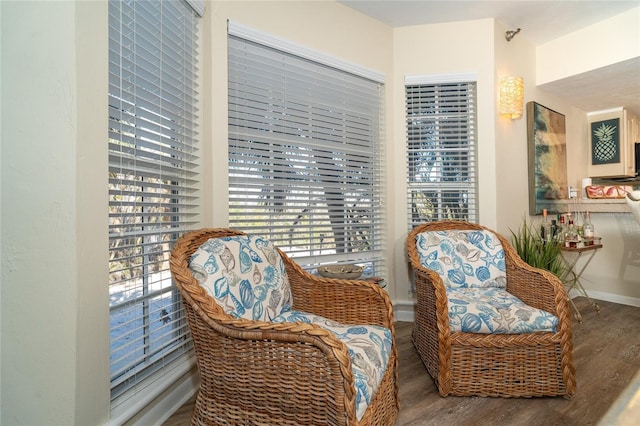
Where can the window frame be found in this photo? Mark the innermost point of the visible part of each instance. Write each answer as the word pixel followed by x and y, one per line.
pixel 305 140
pixel 154 189
pixel 441 125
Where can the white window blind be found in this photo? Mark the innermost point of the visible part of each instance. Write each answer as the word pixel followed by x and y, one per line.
pixel 153 157
pixel 441 150
pixel 305 156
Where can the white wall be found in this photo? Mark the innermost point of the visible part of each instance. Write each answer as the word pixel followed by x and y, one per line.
pixel 436 50
pixel 513 58
pixel 55 342
pixel 608 42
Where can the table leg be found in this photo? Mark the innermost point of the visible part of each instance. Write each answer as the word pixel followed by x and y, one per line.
pixel 574 281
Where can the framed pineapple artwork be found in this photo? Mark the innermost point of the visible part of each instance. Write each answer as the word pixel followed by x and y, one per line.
pixel 605 141
pixel 611 154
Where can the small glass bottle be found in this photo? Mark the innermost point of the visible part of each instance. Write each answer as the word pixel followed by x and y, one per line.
pixel 572 234
pixel 554 230
pixel 587 227
pixel 545 228
pixel 562 227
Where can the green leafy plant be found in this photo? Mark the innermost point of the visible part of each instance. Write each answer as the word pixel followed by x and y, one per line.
pixel 536 252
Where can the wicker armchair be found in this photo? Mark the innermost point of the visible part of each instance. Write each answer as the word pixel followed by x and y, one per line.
pixel 498 365
pixel 257 372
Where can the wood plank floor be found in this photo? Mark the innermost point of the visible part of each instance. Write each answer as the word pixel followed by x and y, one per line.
pixel 606 355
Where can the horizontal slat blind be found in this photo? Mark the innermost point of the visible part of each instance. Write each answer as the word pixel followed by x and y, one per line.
pixel 153 181
pixel 305 156
pixel 441 151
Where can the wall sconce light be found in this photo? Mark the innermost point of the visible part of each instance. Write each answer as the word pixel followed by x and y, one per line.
pixel 511 97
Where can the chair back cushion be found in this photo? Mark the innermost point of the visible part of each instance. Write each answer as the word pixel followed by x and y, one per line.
pixel 369 349
pixel 245 275
pixel 464 258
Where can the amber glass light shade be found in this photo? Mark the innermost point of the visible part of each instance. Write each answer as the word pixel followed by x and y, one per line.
pixel 511 97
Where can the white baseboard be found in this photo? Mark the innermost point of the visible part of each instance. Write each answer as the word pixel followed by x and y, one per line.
pixel 162 407
pixel 608 297
pixel 404 310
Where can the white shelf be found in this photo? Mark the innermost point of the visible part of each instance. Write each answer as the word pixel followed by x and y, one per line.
pixel 602 205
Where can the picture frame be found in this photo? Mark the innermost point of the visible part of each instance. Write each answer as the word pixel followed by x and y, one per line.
pixel 547 158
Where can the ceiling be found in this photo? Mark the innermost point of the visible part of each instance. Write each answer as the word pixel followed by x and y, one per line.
pixel 541 21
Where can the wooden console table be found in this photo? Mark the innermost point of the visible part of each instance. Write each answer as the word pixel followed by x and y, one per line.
pixel 572 274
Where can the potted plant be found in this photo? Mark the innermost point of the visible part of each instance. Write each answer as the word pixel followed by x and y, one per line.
pixel 535 251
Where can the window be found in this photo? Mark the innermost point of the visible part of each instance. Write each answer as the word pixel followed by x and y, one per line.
pixel 305 156
pixel 153 156
pixel 441 150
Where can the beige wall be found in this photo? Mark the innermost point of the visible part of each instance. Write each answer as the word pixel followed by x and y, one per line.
pixel 436 50
pixel 55 340
pixel 54 312
pixel 610 41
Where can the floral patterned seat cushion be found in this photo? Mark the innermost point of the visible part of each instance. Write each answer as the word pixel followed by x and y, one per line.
pixel 494 310
pixel 464 258
pixel 245 274
pixel 369 349
pixel 472 266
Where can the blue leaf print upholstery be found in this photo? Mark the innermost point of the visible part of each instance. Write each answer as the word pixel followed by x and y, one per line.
pixel 494 310
pixel 468 269
pixel 457 277
pixel 245 275
pixel 436 266
pixel 211 266
pixel 464 258
pixel 482 273
pixel 258 310
pixel 220 288
pixel 369 349
pixel 246 294
pixel 245 261
pixel 471 323
pixel 473 270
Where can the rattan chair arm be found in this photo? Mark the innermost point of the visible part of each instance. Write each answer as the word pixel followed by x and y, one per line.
pixel 212 329
pixel 432 282
pixel 535 287
pixel 211 313
pixel 542 289
pixel 285 332
pixel 344 301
